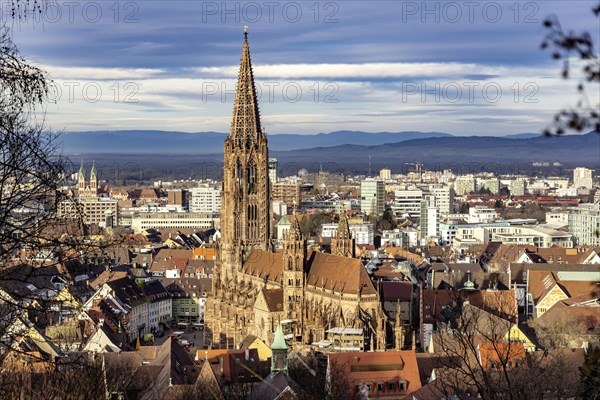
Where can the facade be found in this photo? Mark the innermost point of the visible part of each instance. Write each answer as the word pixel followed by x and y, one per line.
pixel 392 238
pixel 384 375
pixel 287 193
pixel 176 197
pixel 408 202
pixel 491 184
pixel 89 205
pixel 135 309
pixel 444 200
pixel 372 196
pixel 254 287
pixel 205 198
pixel 517 187
pixel 94 210
pixel 273 171
pixel 363 233
pixel 87 188
pixel 481 215
pixel 429 221
pixel 385 174
pixel 500 232
pixel 582 178
pixel 174 220
pixel 584 224
pixel 464 185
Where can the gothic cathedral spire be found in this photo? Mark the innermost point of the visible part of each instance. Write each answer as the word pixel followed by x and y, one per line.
pixel 245 126
pixel 343 243
pixel 245 216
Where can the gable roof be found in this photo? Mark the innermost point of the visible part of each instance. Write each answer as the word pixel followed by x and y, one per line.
pixel 380 366
pixel 540 283
pixel 274 299
pixel 275 387
pixel 340 274
pixel 264 264
pixel 454 275
pixel 498 302
pixel 518 271
pixel 394 291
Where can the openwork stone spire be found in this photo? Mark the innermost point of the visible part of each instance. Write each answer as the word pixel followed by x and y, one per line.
pixel 295 233
pixel 343 244
pixel 245 126
pixel 343 231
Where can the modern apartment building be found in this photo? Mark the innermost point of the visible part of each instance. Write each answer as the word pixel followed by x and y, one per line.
pixel 372 196
pixel 205 198
pixel 408 202
pixel 584 224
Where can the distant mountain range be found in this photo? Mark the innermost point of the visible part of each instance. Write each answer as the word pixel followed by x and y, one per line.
pixel 158 155
pixel 464 153
pixel 173 142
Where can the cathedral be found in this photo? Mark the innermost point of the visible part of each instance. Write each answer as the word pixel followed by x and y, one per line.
pixel 255 287
pixel 85 189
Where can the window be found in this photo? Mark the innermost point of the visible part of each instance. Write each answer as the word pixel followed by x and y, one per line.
pixel 402 385
pixel 380 387
pixel 391 386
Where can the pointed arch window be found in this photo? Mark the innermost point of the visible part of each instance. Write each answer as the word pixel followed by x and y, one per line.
pixel 252 178
pixel 239 172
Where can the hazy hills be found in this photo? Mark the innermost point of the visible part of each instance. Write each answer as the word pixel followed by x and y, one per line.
pixel 458 152
pixel 152 142
pixel 156 154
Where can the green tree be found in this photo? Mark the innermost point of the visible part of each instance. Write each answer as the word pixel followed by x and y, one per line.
pixel 388 220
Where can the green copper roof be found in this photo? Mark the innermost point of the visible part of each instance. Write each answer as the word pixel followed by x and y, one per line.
pixel 81 170
pixel 469 285
pixel 279 341
pixel 93 173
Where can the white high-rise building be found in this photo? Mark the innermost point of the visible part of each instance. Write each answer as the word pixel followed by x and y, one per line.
pixel 385 174
pixel 408 202
pixel 273 170
pixel 205 198
pixel 372 196
pixel 429 223
pixel 464 184
pixel 584 224
pixel 444 200
pixel 517 187
pixel 582 177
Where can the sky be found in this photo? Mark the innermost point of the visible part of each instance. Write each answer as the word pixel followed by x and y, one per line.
pixel 464 67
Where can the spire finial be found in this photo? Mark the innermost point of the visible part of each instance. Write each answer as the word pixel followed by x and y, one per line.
pixel 245 32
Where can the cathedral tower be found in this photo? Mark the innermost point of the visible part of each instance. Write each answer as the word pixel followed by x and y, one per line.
pixel 245 217
pixel 294 257
pixel 343 243
pixel 81 184
pixel 94 180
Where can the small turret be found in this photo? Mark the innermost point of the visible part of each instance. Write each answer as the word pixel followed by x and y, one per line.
pixel 279 360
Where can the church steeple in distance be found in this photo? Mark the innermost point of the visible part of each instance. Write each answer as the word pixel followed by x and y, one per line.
pixel 245 214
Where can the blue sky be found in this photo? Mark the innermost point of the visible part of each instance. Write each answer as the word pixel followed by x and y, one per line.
pixel 465 67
